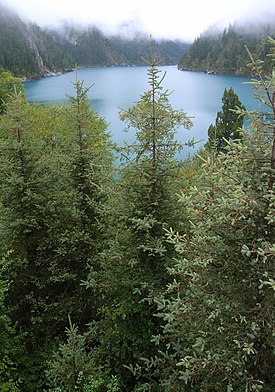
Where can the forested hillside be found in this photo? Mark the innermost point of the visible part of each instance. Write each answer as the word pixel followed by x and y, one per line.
pixel 155 275
pixel 225 51
pixel 28 50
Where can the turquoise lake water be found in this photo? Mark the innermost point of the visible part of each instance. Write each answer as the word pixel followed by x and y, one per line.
pixel 115 88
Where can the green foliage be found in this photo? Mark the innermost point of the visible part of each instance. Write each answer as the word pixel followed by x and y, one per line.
pixel 229 122
pixel 134 263
pixel 151 169
pixel 28 50
pixel 264 92
pixel 29 213
pixel 8 84
pixel 69 361
pixel 52 242
pixel 225 51
pixel 33 215
pixel 88 169
pixel 10 344
pixel 72 368
pixel 217 311
pixel 170 291
pixel 230 343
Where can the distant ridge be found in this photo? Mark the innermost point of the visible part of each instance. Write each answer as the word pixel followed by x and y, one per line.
pixel 28 50
pixel 224 51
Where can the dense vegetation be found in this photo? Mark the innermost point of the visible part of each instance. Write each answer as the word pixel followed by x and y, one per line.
pixel 28 50
pixel 229 123
pixel 153 275
pixel 225 51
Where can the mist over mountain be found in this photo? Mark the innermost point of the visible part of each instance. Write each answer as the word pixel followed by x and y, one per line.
pixel 224 50
pixel 29 50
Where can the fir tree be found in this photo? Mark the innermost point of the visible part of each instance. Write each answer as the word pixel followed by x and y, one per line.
pixel 218 311
pixel 29 207
pixel 88 169
pixel 11 346
pixel 53 189
pixel 135 263
pixel 229 122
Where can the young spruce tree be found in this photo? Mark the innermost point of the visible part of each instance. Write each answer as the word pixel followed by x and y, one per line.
pixel 29 212
pixel 229 122
pixel 87 167
pixel 53 185
pixel 135 264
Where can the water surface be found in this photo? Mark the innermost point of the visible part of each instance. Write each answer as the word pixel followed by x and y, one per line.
pixel 116 88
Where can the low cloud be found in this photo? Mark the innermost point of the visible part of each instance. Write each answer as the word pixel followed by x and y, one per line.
pixel 174 19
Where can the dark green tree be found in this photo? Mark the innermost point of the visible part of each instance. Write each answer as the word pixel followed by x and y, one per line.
pixel 28 213
pixel 72 367
pixel 224 51
pixel 229 122
pixel 218 311
pixel 11 346
pixel 54 169
pixel 135 262
pixel 88 170
pixel 264 91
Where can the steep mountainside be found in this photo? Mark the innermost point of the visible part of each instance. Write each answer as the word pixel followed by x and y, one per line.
pixel 225 51
pixel 17 52
pixel 28 50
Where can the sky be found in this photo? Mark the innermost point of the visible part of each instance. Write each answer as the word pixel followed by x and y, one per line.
pixel 175 19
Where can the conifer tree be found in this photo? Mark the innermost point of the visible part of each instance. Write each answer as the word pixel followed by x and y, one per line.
pixel 23 192
pixel 11 346
pixel 7 85
pixel 53 189
pixel 219 310
pixel 135 263
pixel 88 169
pixel 30 211
pixel 228 123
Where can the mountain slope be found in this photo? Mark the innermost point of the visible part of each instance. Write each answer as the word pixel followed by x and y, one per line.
pixel 225 52
pixel 16 51
pixel 28 50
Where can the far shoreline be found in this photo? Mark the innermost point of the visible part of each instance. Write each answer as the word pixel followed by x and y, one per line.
pixel 62 72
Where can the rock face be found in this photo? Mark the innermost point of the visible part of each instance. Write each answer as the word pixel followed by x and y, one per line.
pixel 28 50
pixel 31 43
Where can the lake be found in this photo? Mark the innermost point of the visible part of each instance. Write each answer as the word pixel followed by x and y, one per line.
pixel 115 88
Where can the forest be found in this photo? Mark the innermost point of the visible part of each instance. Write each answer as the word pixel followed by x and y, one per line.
pixel 30 51
pixel 224 51
pixel 124 269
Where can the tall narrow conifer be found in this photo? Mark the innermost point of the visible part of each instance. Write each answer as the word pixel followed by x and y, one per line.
pixel 135 264
pixel 229 122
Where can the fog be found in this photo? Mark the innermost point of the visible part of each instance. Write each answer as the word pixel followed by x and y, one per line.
pixel 175 19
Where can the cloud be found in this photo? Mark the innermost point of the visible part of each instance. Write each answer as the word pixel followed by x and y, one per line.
pixel 172 19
